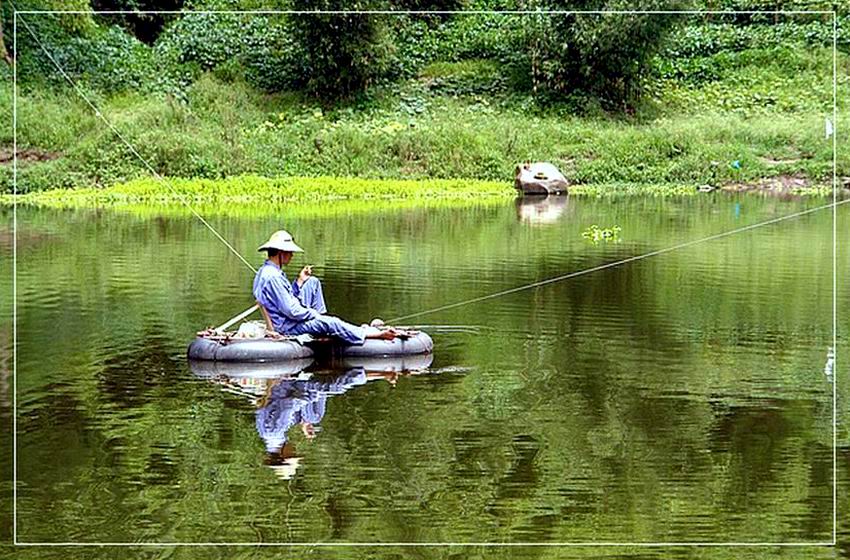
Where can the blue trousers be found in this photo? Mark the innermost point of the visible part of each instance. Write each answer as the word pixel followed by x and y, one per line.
pixel 310 295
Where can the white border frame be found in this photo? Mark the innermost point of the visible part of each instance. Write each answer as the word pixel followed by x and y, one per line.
pixel 590 544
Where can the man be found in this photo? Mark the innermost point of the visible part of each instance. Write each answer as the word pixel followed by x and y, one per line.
pixel 299 308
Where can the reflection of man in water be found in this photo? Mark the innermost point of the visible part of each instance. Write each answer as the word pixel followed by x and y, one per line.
pixel 290 402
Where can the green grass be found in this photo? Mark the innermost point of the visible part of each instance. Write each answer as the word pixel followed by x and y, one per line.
pixel 462 69
pixel 762 108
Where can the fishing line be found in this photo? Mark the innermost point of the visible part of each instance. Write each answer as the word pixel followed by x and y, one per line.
pixel 617 263
pixel 478 299
pixel 120 136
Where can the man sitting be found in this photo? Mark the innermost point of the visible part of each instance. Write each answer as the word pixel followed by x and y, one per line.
pixel 299 308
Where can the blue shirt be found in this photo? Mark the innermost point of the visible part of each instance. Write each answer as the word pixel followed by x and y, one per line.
pixel 292 402
pixel 274 292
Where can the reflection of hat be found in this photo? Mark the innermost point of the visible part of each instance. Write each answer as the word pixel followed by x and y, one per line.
pixel 282 241
pixel 285 462
pixel 287 469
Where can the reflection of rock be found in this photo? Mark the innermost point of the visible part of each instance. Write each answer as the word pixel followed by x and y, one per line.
pixel 539 178
pixel 541 210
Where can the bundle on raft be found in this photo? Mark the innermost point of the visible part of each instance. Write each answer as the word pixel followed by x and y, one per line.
pixel 253 345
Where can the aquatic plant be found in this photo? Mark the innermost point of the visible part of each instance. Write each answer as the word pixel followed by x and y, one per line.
pixel 250 189
pixel 595 234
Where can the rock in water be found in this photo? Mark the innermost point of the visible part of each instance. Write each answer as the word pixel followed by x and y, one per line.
pixel 540 178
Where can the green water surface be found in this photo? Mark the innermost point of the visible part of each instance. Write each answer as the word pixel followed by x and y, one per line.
pixel 678 398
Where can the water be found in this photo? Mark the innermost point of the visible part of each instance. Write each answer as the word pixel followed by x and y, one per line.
pixel 678 398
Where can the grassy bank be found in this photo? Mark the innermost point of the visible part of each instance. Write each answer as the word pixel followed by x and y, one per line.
pixel 737 115
pixel 322 196
pixel 246 208
pixel 228 130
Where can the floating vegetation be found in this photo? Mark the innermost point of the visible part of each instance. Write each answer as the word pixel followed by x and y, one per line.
pixel 248 189
pixel 595 234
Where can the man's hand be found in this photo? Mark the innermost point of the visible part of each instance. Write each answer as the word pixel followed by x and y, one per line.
pixel 387 334
pixel 304 275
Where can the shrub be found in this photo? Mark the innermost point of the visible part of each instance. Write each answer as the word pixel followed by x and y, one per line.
pixel 205 39
pixel 603 56
pixel 145 27
pixel 342 53
pixel 105 59
pixel 706 39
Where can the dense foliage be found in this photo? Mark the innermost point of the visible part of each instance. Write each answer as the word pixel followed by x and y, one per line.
pixel 342 53
pixel 564 57
pixel 600 55
pixel 423 96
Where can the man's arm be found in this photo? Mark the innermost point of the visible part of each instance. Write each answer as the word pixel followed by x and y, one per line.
pixel 285 303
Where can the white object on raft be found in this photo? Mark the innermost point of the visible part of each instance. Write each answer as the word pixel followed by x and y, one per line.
pixel 251 329
pixel 231 347
pixel 540 178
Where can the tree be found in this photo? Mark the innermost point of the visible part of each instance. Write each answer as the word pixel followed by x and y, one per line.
pixel 146 27
pixel 341 54
pixel 3 51
pixel 67 24
pixel 601 55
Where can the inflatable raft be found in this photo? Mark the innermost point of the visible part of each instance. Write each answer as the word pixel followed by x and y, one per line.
pixel 214 348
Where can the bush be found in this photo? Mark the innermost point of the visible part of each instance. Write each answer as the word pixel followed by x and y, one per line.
pixel 342 53
pixel 206 39
pixel 104 59
pixel 602 56
pixel 113 61
pixel 707 39
pixel 767 6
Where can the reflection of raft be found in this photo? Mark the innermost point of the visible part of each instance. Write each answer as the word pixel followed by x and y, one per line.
pixel 222 349
pixel 207 369
pixel 388 364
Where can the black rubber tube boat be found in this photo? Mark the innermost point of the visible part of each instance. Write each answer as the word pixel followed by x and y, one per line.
pixel 224 348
